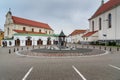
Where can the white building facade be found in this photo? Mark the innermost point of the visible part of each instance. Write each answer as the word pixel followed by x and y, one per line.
pixel 90 37
pixel 76 36
pixel 24 32
pixel 106 20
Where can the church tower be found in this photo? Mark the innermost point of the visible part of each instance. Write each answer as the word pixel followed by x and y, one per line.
pixel 8 26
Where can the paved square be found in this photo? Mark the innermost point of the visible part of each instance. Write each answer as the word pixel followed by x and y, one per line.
pixel 14 67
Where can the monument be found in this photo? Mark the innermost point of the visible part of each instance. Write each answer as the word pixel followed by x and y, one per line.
pixel 62 42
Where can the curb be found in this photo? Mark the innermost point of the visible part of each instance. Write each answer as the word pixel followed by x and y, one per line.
pixel 19 54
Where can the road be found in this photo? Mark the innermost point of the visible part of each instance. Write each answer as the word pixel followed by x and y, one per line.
pixel 14 67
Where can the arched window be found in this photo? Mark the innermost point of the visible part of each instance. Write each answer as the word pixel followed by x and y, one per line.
pixel 109 20
pixel 100 23
pixel 92 25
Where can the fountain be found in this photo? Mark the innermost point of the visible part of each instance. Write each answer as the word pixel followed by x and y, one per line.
pixel 62 42
pixel 62 49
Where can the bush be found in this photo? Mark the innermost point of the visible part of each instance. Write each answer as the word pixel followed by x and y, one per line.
pixel 111 43
pixel 94 43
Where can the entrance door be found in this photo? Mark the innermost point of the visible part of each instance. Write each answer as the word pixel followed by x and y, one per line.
pixel 48 41
pixel 39 42
pixel 17 42
pixel 28 42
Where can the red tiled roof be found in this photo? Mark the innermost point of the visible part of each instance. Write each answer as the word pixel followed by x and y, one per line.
pixel 22 21
pixel 89 34
pixel 105 7
pixel 75 32
pixel 29 32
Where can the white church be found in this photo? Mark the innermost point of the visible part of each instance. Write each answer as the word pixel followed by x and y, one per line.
pixel 104 24
pixel 106 21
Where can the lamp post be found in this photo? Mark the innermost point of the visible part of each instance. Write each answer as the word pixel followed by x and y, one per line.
pixel 105 39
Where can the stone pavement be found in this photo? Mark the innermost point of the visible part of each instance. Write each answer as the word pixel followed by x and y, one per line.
pixel 14 67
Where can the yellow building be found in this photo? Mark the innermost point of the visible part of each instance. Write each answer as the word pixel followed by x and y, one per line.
pixel 1 36
pixel 14 24
pixel 24 32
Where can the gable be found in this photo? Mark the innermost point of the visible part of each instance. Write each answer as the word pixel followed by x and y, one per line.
pixel 106 7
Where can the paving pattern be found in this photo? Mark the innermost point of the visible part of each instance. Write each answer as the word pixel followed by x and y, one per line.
pixel 68 52
pixel 15 67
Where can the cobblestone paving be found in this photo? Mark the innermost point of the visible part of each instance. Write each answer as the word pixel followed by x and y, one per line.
pixel 77 52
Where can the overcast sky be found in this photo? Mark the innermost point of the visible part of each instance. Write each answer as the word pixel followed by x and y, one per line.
pixel 66 15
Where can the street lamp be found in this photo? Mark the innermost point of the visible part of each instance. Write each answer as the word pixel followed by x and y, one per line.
pixel 105 38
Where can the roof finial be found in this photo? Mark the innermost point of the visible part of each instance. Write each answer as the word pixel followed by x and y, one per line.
pixel 9 11
pixel 102 2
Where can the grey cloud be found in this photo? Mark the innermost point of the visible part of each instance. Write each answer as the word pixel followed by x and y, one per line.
pixel 68 14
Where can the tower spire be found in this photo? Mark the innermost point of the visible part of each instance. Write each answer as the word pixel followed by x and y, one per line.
pixel 9 9
pixel 102 2
pixel 9 12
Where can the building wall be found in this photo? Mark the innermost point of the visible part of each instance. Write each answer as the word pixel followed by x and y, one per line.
pixel 9 24
pixel 29 28
pixel 8 43
pixel 34 39
pixel 1 37
pixel 113 32
pixel 118 23
pixel 76 38
pixel 91 38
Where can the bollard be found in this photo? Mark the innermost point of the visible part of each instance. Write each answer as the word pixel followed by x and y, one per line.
pixel 110 49
pixel 27 48
pixel 117 49
pixel 17 49
pixel 33 46
pixel 14 49
pixel 100 47
pixel 105 48
pixel 22 48
pixel 9 51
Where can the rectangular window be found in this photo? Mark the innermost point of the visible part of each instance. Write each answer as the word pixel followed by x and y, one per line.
pixel 100 23
pixel 109 20
pixel 8 31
